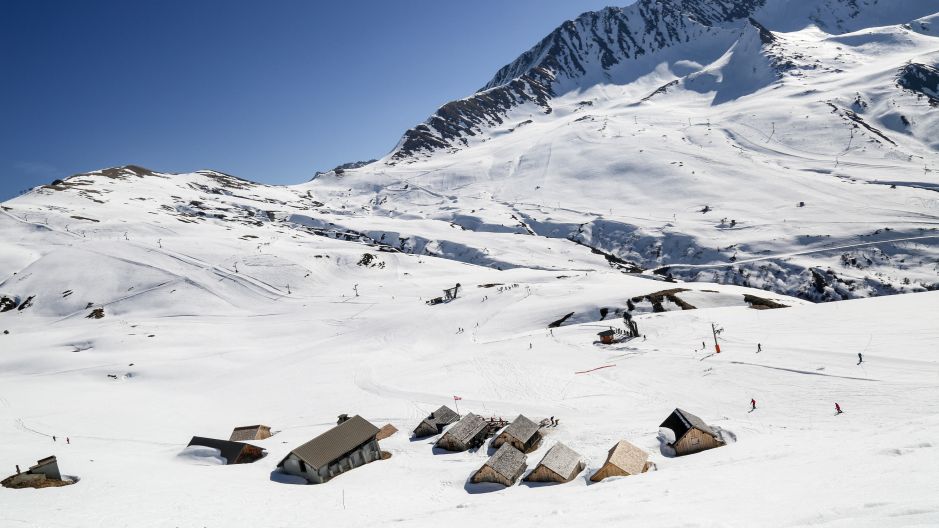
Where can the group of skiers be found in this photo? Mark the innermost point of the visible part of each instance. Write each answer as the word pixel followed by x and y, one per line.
pixel 753 406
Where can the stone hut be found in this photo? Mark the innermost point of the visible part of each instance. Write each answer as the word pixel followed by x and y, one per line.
pixel 504 467
pixel 623 459
pixel 434 424
pixel 250 432
pixel 692 435
pixel 466 434
pixel 560 464
pixel 350 444
pixel 522 433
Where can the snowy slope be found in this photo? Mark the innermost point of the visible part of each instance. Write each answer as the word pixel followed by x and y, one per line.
pixel 789 146
pixel 139 308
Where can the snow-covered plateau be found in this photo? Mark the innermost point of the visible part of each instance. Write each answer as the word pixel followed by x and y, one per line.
pixel 765 167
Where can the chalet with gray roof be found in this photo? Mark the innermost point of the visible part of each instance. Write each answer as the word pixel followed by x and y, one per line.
pixel 560 464
pixel 232 452
pixel 622 460
pixel 434 424
pixel 522 433
pixel 692 434
pixel 349 445
pixel 468 433
pixel 250 432
pixel 504 467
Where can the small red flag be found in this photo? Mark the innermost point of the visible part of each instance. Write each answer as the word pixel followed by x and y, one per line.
pixel 457 398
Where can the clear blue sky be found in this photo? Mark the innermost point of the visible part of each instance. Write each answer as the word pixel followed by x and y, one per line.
pixel 270 91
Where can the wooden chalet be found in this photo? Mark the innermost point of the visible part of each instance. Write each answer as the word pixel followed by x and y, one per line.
pixel 623 459
pixel 692 435
pixel 434 424
pixel 560 464
pixel 469 432
pixel 250 432
pixel 232 452
pixel 504 467
pixel 522 433
pixel 349 445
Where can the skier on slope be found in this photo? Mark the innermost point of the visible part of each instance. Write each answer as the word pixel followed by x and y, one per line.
pixel 752 404
pixel 838 408
pixel 860 358
pixel 759 347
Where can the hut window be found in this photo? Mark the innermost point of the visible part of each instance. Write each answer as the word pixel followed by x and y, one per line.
pixel 694 441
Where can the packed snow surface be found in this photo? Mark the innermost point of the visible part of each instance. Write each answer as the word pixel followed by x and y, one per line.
pixel 729 178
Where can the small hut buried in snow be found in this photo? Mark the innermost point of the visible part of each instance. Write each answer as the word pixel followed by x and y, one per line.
pixel 692 435
pixel 232 452
pixel 386 431
pixel 44 474
pixel 48 466
pixel 560 464
pixel 623 459
pixel 606 336
pixel 435 423
pixel 250 432
pixel 504 467
pixel 466 434
pixel 522 433
pixel 349 445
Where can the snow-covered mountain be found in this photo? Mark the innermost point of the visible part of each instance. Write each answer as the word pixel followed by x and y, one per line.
pixel 786 145
pixel 698 163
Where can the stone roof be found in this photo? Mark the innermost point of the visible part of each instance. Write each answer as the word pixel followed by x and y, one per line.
pixel 444 415
pixel 507 461
pixel 522 429
pixel 464 430
pixel 561 460
pixel 249 432
pixel 628 457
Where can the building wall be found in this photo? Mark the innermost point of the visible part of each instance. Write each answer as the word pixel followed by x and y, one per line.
pixel 543 474
pixel 369 452
pixel 50 470
pixel 695 441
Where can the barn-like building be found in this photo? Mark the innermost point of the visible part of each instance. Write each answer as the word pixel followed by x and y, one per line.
pixel 692 435
pixel 522 433
pixel 232 452
pixel 250 432
pixel 504 467
pixel 560 464
pixel 469 432
pixel 434 424
pixel 347 446
pixel 623 459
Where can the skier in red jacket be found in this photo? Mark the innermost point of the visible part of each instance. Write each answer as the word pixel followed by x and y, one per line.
pixel 752 404
pixel 838 408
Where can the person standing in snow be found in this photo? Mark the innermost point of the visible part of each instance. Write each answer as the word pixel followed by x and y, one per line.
pixel 838 408
pixel 860 358
pixel 53 438
pixel 67 441
pixel 759 348
pixel 752 404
